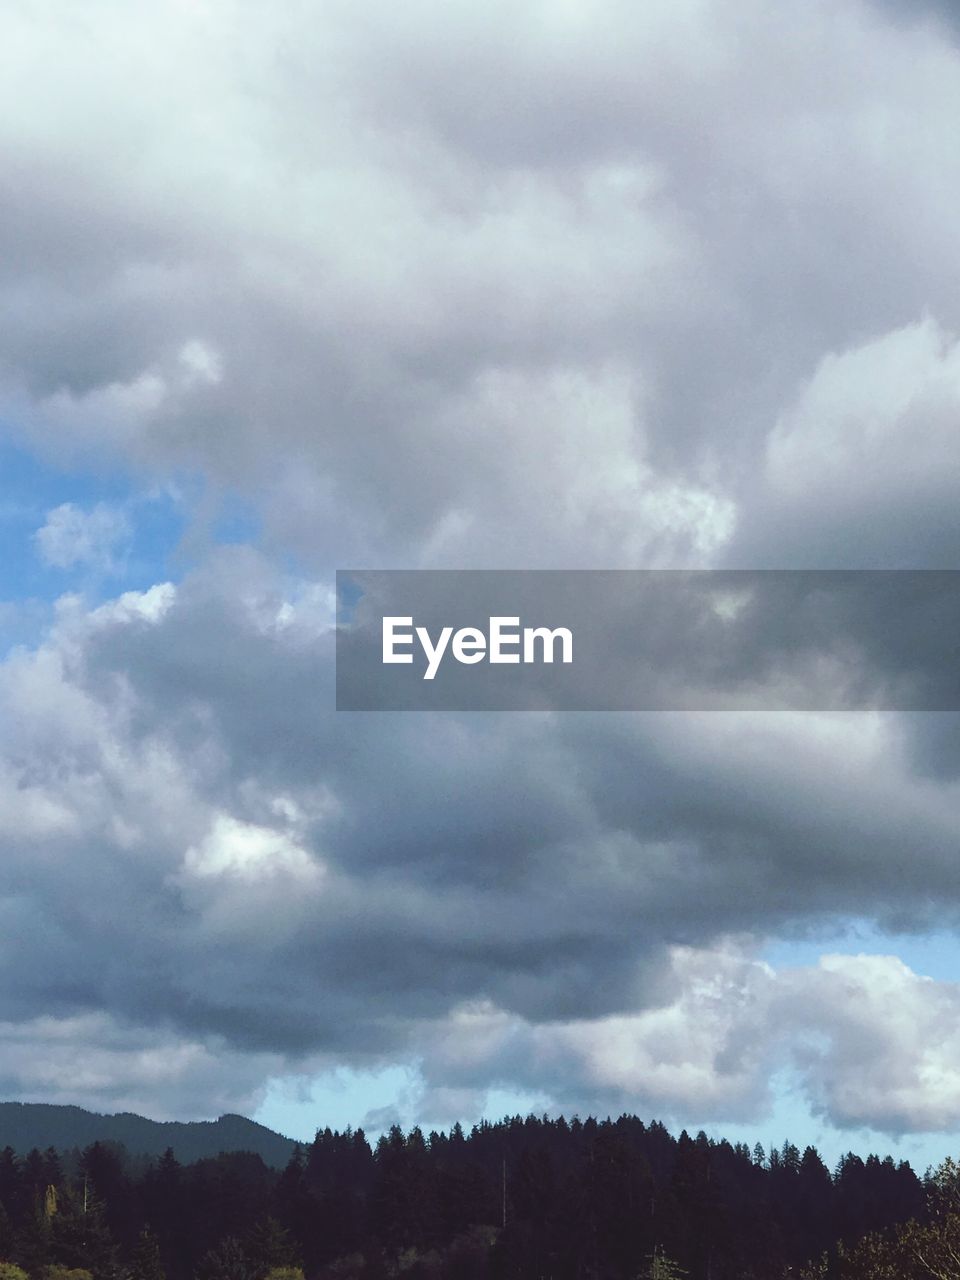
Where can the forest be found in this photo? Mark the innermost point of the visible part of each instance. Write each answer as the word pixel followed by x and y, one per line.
pixel 532 1198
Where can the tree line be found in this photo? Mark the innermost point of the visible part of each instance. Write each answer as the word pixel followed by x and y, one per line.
pixel 523 1199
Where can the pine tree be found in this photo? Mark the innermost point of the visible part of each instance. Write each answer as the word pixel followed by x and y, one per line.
pixel 270 1247
pixel 145 1261
pixel 7 1236
pixel 79 1236
pixel 32 1242
pixel 10 1185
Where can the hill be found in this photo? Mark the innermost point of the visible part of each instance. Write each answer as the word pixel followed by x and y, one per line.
pixel 24 1125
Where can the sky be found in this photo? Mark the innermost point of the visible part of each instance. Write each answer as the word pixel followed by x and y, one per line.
pixel 296 287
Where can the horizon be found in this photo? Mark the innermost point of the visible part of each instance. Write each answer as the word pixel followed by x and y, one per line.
pixel 713 1133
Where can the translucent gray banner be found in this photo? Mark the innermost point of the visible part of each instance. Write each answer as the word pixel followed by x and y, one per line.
pixel 644 640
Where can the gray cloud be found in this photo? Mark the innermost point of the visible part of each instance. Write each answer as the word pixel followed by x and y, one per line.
pixel 668 270
pixel 302 888
pixel 672 285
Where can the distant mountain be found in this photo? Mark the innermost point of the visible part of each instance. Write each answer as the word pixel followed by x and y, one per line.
pixel 24 1125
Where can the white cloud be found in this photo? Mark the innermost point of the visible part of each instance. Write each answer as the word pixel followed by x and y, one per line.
pixel 73 538
pixel 108 1065
pixel 247 851
pixel 884 1043
pixel 871 1043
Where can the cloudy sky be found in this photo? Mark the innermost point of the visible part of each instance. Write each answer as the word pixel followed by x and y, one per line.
pixel 295 287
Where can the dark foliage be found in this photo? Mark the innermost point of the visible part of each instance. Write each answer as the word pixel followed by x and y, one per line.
pixel 525 1198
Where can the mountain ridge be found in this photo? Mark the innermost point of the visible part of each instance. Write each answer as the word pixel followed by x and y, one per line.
pixel 25 1125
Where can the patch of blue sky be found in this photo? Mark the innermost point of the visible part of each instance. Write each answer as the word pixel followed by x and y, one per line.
pixel 935 954
pixel 372 1100
pixel 160 531
pixel 30 490
pixel 235 522
pixel 341 1097
pixel 349 595
pixel 506 1102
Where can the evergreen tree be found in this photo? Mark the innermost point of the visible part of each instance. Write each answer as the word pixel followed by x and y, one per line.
pixel 10 1184
pixel 584 1201
pixel 269 1247
pixel 32 1241
pixel 79 1236
pixel 145 1263
pixel 7 1236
